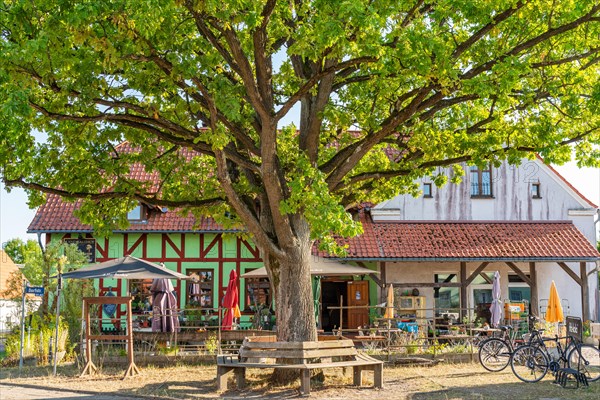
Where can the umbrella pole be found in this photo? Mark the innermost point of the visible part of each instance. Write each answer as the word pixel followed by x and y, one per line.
pixel 55 353
pixel 219 332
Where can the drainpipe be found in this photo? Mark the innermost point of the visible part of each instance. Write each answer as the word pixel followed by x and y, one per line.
pixel 39 236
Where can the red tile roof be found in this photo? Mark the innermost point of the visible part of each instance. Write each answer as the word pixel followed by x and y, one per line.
pixel 470 240
pixel 57 216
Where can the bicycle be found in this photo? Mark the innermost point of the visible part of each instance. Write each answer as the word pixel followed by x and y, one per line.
pixel 495 353
pixel 531 362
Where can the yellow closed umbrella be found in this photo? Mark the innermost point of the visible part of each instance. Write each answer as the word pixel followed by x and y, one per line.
pixel 389 309
pixel 554 311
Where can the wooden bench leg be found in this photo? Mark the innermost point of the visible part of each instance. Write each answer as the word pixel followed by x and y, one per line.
pixel 378 376
pixel 305 382
pixel 358 376
pixel 222 373
pixel 240 376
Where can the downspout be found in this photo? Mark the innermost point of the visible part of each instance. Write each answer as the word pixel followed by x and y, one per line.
pixel 39 236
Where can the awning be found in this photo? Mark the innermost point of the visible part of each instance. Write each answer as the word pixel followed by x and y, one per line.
pixel 322 267
pixel 124 268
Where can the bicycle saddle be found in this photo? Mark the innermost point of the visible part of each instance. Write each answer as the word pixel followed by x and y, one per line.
pixel 506 328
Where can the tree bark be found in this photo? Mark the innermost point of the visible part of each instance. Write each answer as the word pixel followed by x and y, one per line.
pixel 294 308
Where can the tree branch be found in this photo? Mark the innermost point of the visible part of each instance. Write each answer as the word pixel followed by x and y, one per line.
pixel 150 198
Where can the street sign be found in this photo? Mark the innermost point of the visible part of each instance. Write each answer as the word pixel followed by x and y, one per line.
pixel 35 290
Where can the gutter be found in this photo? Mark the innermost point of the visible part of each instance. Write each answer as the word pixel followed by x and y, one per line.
pixel 487 259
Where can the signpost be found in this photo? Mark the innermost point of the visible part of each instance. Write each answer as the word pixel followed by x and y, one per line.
pixel 36 291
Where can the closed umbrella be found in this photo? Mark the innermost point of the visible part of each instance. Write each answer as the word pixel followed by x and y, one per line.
pixel 554 312
pixel 316 290
pixel 389 309
pixel 496 307
pixel 164 306
pixel 231 302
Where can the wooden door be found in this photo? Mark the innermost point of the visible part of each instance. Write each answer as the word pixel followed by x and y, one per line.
pixel 358 295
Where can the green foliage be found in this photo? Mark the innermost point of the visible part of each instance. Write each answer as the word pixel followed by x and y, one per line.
pixel 212 344
pixel 39 337
pixel 18 250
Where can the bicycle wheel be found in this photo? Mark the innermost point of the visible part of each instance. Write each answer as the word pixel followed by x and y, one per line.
pixel 529 363
pixel 590 361
pixel 494 354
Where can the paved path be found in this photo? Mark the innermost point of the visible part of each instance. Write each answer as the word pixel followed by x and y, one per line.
pixel 30 392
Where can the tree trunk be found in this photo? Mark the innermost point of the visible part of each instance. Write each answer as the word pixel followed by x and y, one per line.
pixel 294 308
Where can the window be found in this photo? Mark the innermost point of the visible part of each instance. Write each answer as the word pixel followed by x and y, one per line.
pixel 200 290
pixel 258 293
pixel 142 298
pixel 137 214
pixel 481 182
pixel 427 190
pixel 446 298
pixel 535 191
pixel 518 290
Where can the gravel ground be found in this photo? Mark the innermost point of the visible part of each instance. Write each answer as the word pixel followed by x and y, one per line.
pixel 444 381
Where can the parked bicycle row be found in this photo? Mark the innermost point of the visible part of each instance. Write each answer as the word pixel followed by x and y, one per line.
pixel 531 356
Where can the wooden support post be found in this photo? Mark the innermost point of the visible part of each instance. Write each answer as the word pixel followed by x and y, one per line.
pixel 132 369
pixel 535 308
pixel 89 368
pixel 305 382
pixel 463 290
pixel 357 376
pixel 585 299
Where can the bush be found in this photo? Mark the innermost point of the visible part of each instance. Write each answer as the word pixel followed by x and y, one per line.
pixel 37 340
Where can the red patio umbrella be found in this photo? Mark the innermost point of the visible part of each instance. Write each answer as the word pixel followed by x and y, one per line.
pixel 231 302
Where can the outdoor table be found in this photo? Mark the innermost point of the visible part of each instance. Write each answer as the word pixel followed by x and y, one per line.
pixel 456 339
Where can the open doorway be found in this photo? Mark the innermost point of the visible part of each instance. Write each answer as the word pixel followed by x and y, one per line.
pixel 330 297
pixel 355 293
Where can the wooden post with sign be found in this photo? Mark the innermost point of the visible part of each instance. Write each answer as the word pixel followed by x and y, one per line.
pixel 90 368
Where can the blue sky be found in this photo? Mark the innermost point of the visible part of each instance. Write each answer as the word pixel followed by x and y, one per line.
pixel 15 215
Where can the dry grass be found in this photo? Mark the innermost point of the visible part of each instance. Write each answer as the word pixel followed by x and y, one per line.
pixel 444 381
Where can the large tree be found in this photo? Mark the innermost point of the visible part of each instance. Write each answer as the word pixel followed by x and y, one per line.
pixel 385 91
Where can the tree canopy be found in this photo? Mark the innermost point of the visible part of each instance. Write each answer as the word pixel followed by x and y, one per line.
pixel 385 91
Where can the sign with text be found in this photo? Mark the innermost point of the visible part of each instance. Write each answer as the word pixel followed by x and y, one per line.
pixel 35 290
pixel 86 246
pixel 574 328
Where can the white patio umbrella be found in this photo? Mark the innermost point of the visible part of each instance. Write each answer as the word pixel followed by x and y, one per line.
pixel 496 307
pixel 320 266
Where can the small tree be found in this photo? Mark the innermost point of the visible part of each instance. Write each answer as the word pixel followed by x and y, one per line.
pixel 17 249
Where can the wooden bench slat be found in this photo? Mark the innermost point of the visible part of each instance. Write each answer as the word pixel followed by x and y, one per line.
pixel 300 354
pixel 298 345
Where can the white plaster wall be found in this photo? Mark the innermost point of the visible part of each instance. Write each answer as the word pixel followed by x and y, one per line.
pixel 512 199
pixel 568 289
pixel 9 310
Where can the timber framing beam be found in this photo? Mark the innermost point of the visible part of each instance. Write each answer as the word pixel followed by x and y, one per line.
pixel 585 299
pixel 534 305
pixel 478 271
pixel 520 273
pixel 427 284
pixel 570 272
pixel 463 289
pixel 379 282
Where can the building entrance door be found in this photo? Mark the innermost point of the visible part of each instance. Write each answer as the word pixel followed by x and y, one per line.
pixel 358 295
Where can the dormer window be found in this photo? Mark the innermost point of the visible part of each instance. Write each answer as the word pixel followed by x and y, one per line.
pixel 427 193
pixel 536 191
pixel 481 181
pixel 137 214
